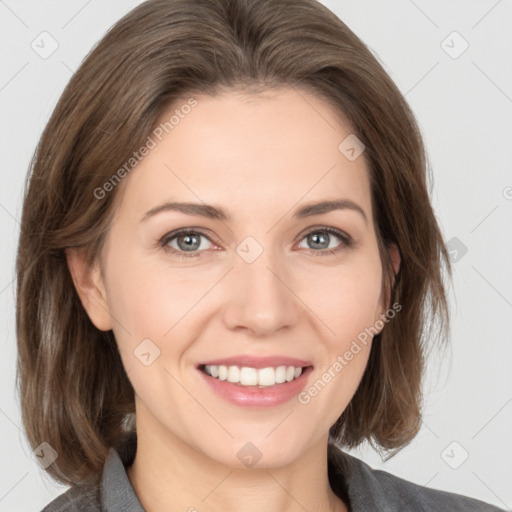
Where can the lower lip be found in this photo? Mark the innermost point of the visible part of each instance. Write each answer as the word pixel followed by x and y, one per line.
pixel 260 398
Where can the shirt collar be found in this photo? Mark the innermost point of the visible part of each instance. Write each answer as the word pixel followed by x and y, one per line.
pixel 117 493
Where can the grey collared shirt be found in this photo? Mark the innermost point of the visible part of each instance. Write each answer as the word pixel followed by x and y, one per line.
pixel 365 489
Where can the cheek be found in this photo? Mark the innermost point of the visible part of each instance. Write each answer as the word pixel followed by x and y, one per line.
pixel 152 307
pixel 347 301
pixel 347 298
pixel 149 300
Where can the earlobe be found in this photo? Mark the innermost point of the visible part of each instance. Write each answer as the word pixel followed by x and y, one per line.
pixel 90 287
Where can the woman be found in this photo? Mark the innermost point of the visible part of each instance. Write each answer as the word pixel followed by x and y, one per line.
pixel 226 251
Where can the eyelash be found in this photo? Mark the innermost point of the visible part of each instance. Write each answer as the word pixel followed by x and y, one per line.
pixel 164 241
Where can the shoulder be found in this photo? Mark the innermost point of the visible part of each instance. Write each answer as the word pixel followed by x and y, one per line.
pixel 113 492
pixel 80 498
pixel 371 489
pixel 411 496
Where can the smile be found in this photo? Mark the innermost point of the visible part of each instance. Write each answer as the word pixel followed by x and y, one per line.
pixel 241 385
pixel 247 376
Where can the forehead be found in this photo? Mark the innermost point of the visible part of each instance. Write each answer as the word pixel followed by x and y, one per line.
pixel 267 151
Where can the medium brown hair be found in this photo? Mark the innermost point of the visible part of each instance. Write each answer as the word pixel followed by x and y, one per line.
pixel 74 391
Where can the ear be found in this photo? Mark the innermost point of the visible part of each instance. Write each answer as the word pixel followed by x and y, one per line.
pixel 394 252
pixel 90 287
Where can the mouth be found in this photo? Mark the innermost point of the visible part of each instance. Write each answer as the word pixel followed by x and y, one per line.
pixel 257 388
pixel 256 381
pixel 247 376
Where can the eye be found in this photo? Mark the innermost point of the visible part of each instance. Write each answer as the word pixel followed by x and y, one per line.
pixel 321 239
pixel 187 243
pixel 184 243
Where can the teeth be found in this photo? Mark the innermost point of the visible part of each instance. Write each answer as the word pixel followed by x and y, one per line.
pixel 246 376
pixel 233 374
pixel 223 372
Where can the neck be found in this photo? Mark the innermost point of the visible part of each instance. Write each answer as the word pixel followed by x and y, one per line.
pixel 168 474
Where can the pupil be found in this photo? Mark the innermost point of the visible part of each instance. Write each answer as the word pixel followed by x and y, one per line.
pixel 315 237
pixel 189 242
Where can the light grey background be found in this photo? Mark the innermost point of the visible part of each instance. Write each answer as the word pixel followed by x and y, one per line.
pixel 464 108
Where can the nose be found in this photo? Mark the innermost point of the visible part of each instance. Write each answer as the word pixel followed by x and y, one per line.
pixel 262 299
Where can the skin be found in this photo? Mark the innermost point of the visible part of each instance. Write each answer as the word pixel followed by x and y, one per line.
pixel 259 157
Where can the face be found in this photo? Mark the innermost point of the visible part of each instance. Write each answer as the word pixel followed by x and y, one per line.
pixel 258 287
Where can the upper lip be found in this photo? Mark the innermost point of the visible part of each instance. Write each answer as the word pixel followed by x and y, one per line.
pixel 257 362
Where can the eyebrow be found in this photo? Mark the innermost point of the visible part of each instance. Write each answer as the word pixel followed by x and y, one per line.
pixel 217 213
